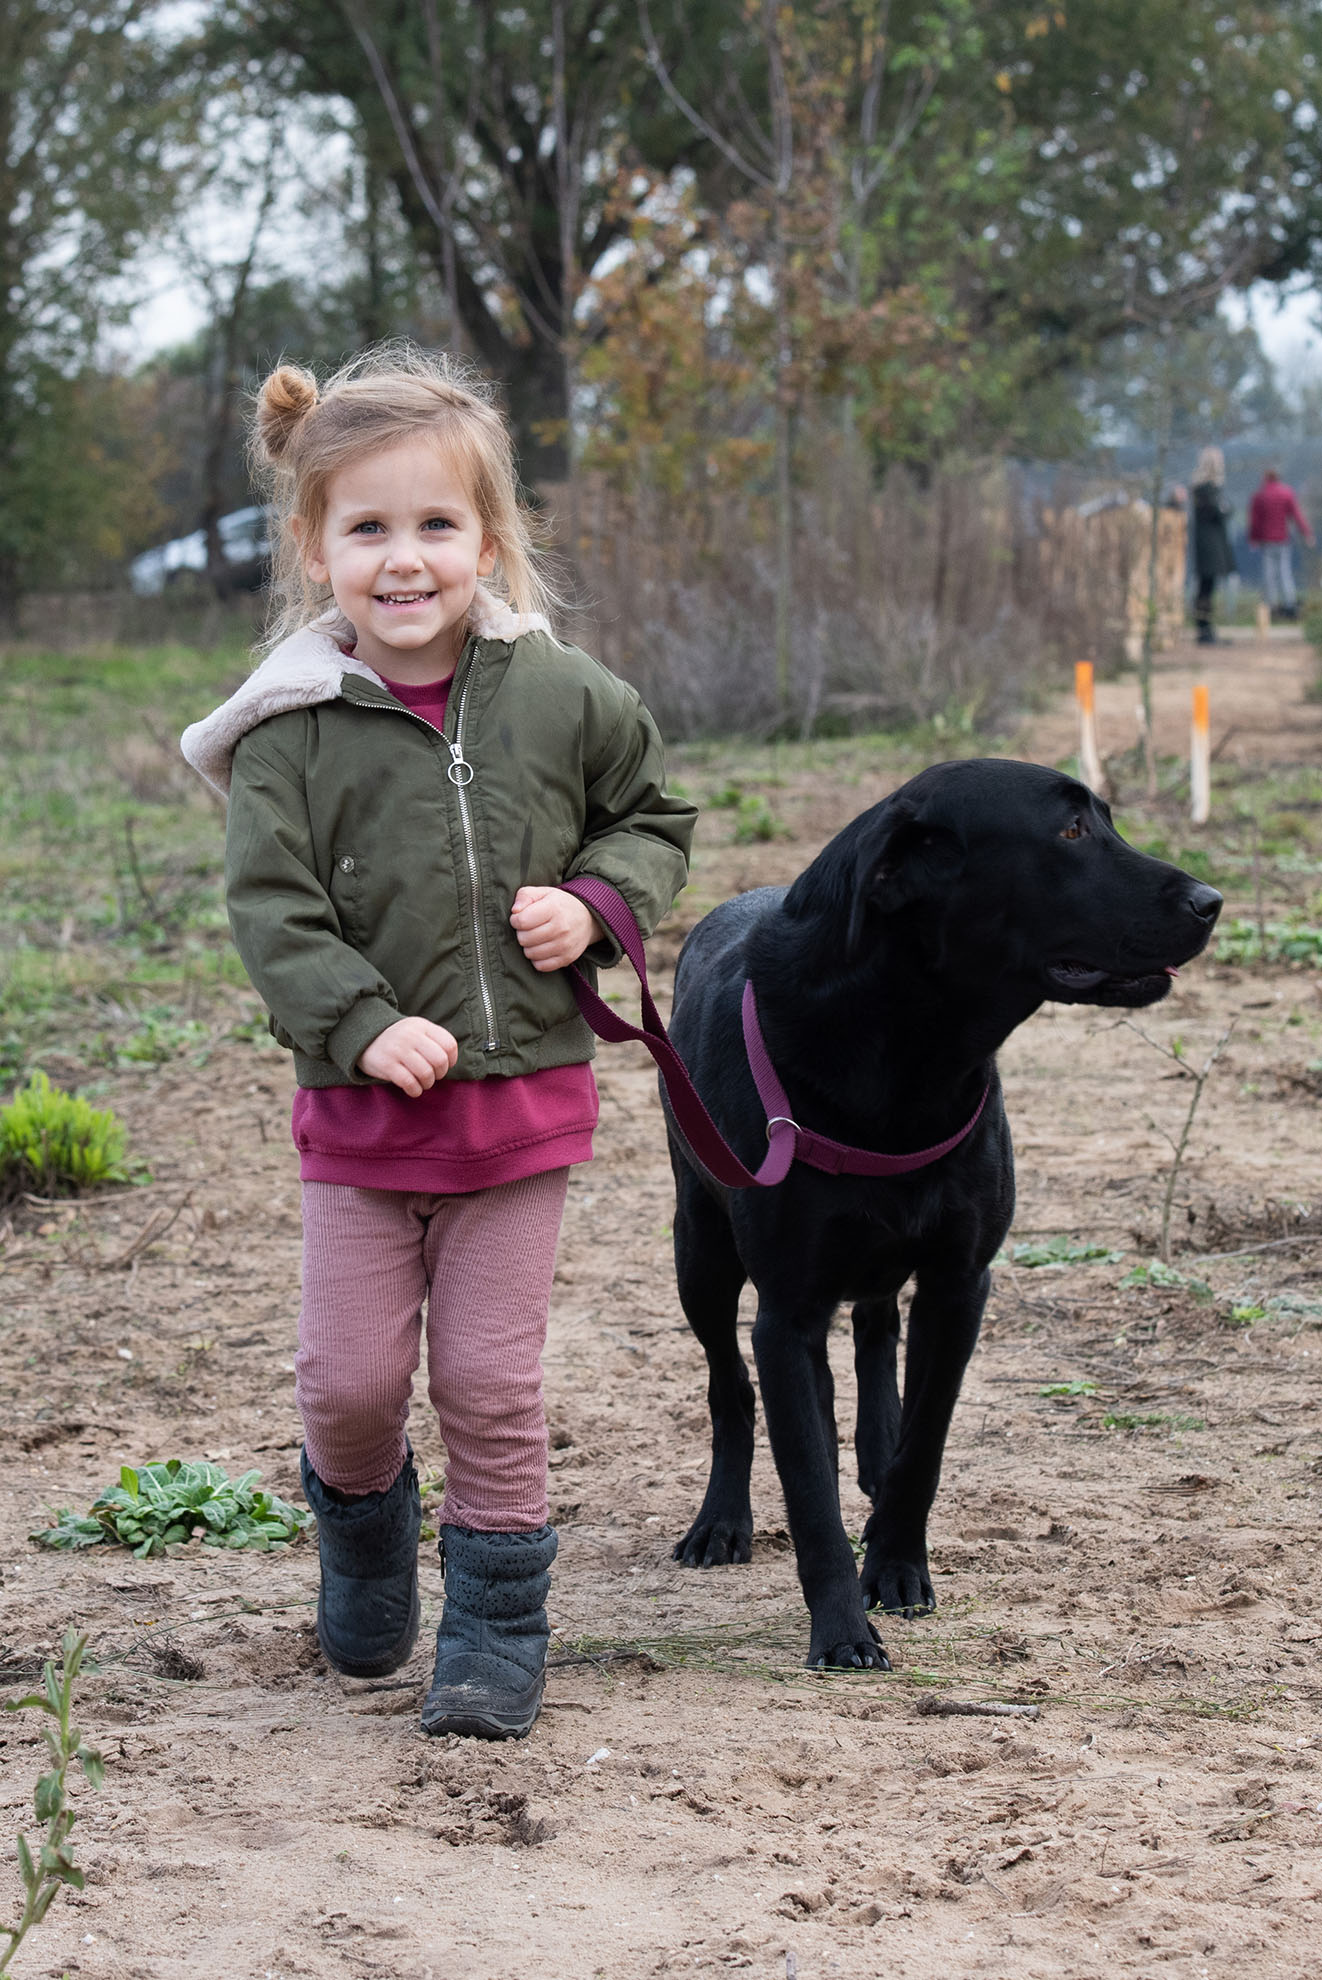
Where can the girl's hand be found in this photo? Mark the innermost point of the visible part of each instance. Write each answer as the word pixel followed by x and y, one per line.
pixel 412 1054
pixel 553 927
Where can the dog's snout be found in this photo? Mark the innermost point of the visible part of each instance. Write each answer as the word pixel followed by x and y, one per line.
pixel 1205 902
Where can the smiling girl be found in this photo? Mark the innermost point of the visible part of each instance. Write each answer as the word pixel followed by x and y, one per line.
pixel 413 772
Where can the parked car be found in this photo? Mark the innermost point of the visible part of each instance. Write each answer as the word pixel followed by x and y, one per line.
pixel 244 540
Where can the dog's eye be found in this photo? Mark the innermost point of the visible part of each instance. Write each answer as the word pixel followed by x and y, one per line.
pixel 1076 829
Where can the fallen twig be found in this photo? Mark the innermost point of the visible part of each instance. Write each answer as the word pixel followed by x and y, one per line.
pixel 975 1708
pixel 155 1227
pixel 601 1657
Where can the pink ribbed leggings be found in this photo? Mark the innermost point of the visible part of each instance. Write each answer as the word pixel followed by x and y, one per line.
pixel 482 1262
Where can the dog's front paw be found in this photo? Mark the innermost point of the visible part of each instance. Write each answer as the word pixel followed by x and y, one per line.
pixel 900 1588
pixel 862 1652
pixel 712 1542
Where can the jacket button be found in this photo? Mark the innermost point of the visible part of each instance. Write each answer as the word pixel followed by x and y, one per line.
pixel 346 864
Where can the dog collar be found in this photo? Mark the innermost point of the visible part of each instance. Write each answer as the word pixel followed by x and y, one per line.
pixel 794 1143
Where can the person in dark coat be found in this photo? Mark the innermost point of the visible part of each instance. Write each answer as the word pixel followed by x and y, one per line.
pixel 1213 557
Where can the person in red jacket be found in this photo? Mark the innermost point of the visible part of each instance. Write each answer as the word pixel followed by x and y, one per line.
pixel 1271 512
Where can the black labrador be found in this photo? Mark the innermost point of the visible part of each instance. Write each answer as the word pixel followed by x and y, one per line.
pixel 886 978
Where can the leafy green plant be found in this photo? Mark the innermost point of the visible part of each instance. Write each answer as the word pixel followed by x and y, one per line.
pixel 1245 1316
pixel 1158 1420
pixel 1068 1389
pixel 1060 1250
pixel 1243 942
pixel 54 1864
pixel 1158 1274
pixel 160 1505
pixel 56 1143
pixel 1302 1307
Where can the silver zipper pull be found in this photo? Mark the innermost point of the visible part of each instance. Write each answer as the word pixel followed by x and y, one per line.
pixel 459 769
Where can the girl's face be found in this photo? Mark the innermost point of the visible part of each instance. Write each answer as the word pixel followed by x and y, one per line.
pixel 402 550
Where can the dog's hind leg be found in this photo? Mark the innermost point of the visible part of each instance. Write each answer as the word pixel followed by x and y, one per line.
pixel 943 1329
pixel 711 1277
pixel 876 1346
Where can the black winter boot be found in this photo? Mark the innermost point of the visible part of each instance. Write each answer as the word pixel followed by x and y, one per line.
pixel 367 1612
pixel 491 1645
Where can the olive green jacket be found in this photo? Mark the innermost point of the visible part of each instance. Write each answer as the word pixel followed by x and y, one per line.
pixel 371 862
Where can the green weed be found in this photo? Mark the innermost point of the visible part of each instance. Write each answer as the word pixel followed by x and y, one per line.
pixel 1061 1250
pixel 1158 1420
pixel 1157 1274
pixel 161 1505
pixel 160 1037
pixel 56 1143
pixel 756 823
pixel 1304 1308
pixel 1243 943
pixel 54 1864
pixel 1068 1389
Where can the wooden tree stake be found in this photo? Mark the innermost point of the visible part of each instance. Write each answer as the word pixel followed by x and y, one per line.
pixel 1200 762
pixel 1090 762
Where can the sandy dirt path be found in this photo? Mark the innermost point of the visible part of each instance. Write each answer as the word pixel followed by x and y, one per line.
pixel 1137 1554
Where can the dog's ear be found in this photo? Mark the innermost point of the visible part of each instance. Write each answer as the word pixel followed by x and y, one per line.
pixel 912 859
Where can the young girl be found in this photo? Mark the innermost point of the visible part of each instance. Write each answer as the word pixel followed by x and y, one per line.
pixel 411 774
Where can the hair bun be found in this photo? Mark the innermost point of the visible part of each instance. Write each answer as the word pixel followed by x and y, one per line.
pixel 283 403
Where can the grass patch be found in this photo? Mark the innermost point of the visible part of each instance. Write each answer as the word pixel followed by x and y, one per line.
pixel 111 850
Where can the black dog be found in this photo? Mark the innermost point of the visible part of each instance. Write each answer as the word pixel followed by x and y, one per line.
pixel 886 978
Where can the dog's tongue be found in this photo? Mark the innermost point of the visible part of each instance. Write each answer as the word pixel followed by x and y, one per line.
pixel 1171 970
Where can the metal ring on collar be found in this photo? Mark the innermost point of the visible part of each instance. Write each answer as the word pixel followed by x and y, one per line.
pixel 782 1120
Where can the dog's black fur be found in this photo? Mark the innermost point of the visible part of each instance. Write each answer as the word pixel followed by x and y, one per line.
pixel 886 978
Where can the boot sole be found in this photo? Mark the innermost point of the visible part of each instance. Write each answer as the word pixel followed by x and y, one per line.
pixel 477 1725
pixel 476 1721
pixel 375 1667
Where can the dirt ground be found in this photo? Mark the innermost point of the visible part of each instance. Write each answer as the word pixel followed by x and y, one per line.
pixel 1137 1555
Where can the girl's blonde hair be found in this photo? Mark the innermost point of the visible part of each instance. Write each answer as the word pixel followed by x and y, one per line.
pixel 303 434
pixel 1211 467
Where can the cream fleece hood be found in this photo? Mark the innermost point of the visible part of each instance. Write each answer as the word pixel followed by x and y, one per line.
pixel 307 669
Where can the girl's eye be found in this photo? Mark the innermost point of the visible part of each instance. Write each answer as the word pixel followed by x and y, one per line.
pixel 363 528
pixel 440 522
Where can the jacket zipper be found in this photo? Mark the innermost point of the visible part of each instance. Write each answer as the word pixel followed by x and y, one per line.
pixel 458 764
pixel 454 771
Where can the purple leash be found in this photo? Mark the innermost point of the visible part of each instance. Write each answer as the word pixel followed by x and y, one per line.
pixel 788 1142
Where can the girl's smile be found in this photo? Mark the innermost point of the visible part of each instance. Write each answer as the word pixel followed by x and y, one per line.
pixel 402 549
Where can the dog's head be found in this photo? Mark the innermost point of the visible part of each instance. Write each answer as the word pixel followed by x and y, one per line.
pixel 999 871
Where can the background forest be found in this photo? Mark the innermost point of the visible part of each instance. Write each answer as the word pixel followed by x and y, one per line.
pixel 803 314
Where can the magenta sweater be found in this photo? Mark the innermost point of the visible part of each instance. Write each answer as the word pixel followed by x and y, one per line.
pixel 460 1135
pixel 1271 512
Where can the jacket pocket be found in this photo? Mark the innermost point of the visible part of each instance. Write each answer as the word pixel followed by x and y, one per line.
pixel 348 882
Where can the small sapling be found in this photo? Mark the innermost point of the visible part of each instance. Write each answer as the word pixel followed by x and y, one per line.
pixel 53 1865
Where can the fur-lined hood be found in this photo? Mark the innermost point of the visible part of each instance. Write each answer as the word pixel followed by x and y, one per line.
pixel 307 669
